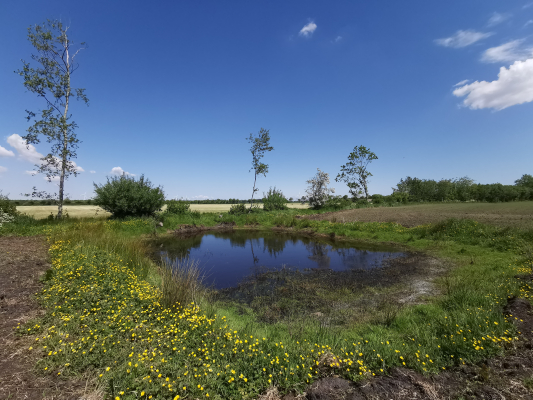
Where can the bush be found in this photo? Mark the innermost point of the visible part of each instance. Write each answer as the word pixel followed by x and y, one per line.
pixel 178 207
pixel 237 209
pixel 274 200
pixel 338 202
pixel 7 206
pixel 378 199
pixel 125 196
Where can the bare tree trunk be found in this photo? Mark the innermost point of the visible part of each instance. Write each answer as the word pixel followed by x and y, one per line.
pixel 65 139
pixel 253 192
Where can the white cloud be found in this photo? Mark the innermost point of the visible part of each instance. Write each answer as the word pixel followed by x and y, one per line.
pixel 338 39
pixel 507 52
pixel 462 39
pixel 119 171
pixel 527 5
pixel 77 167
pixel 528 23
pixel 513 86
pixel 52 178
pixel 498 18
pixel 461 83
pixel 26 152
pixel 308 29
pixel 200 197
pixel 32 173
pixel 92 172
pixel 2 169
pixel 6 153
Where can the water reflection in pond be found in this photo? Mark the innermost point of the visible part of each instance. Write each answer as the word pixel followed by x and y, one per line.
pixel 228 257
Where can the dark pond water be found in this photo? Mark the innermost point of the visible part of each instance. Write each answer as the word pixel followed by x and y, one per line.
pixel 229 257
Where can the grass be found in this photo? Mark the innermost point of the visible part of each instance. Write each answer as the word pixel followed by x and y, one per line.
pixel 106 312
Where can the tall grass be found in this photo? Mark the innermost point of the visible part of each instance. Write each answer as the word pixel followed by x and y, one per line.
pixel 181 282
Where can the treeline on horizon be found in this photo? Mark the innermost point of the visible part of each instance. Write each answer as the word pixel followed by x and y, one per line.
pixel 462 189
pixel 406 191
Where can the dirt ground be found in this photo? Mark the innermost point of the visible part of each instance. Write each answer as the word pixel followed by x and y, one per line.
pixel 23 260
pixel 517 214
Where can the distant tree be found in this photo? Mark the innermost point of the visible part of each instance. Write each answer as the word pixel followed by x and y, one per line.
pixel 260 145
pixel 318 192
pixel 355 173
pixel 525 180
pixel 52 81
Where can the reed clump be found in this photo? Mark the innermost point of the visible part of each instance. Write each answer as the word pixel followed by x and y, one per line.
pixel 181 282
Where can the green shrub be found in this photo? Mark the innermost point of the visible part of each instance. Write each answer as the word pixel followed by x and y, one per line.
pixel 274 200
pixel 378 199
pixel 237 209
pixel 178 207
pixel 125 196
pixel 7 206
pixel 338 202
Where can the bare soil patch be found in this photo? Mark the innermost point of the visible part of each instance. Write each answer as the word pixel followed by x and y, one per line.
pixel 518 215
pixel 188 230
pixel 23 260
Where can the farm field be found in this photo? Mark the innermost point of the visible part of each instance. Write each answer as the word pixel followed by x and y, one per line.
pixel 513 214
pixel 40 212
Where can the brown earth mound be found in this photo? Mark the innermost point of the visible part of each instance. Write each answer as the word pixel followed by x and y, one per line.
pixel 188 230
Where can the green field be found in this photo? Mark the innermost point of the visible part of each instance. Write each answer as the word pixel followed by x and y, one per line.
pixel 111 311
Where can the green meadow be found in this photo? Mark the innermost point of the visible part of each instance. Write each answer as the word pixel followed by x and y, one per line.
pixel 112 312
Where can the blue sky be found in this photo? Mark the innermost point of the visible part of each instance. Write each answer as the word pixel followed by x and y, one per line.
pixel 435 89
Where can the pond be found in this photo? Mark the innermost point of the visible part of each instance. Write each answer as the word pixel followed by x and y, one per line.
pixel 229 257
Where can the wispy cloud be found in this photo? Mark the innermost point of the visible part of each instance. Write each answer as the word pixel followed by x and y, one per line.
pixel 2 169
pixel 527 5
pixel 119 171
pixel 507 52
pixel 498 18
pixel 32 173
pixel 338 39
pixel 308 29
pixel 462 39
pixel 6 153
pixel 92 172
pixel 513 86
pixel 528 23
pixel 25 152
pixel 461 83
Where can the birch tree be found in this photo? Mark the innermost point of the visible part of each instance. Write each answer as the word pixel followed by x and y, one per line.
pixel 50 79
pixel 260 145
